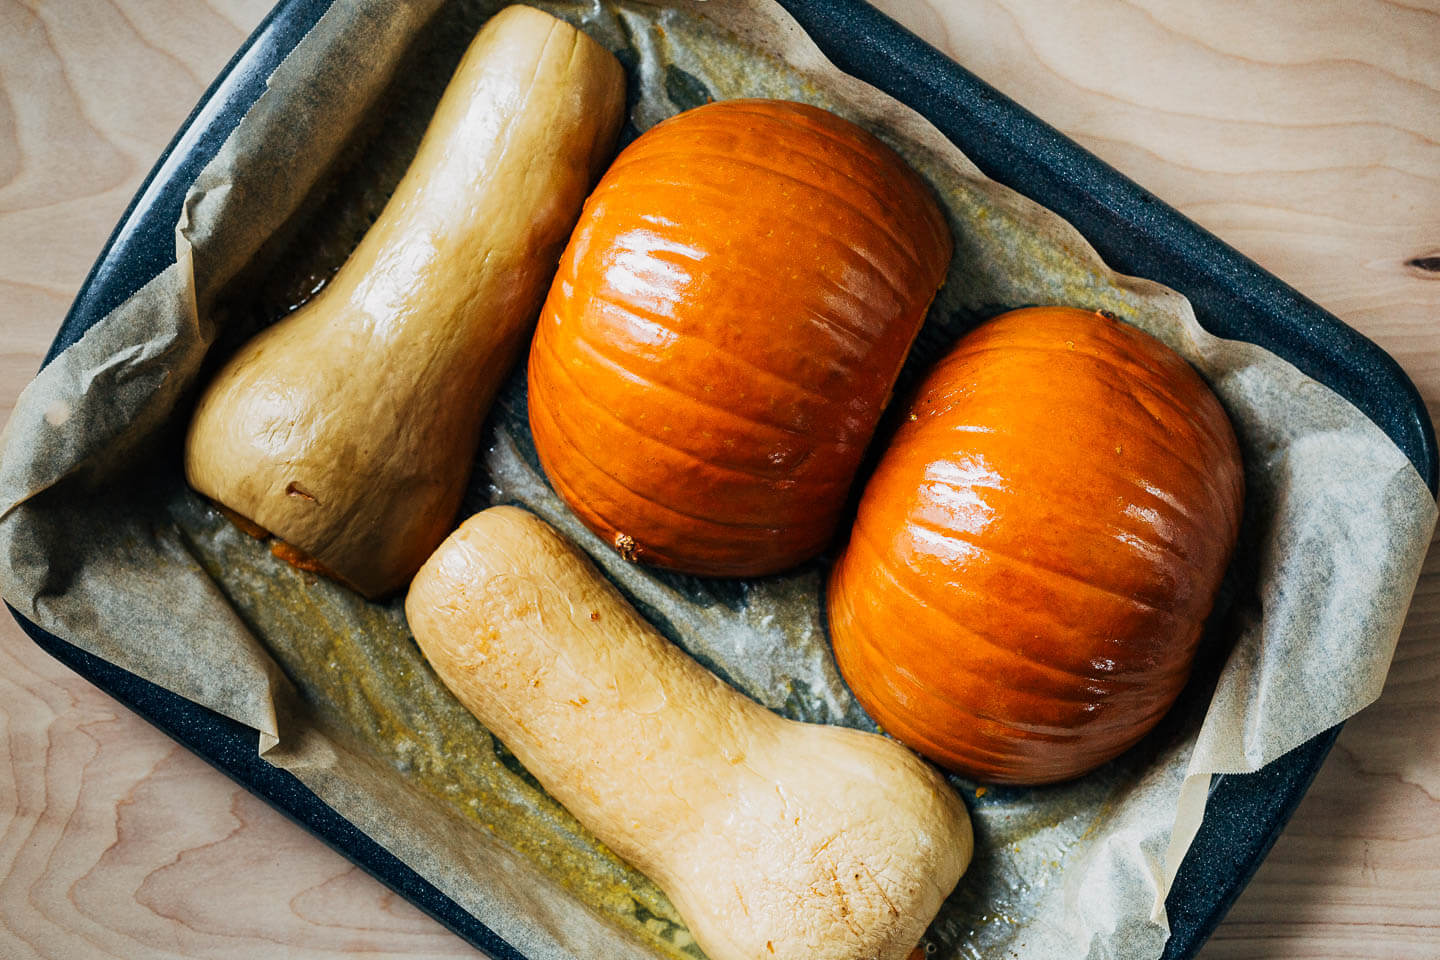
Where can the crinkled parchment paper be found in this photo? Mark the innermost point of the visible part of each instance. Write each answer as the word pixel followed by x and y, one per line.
pixel 103 545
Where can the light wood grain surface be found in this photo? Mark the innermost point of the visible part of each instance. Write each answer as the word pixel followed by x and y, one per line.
pixel 1305 132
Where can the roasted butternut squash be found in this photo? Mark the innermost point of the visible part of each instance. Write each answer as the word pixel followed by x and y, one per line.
pixel 349 428
pixel 1035 556
pixel 724 329
pixel 772 838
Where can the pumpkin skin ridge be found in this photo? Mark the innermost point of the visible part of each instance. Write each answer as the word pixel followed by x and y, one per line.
pixel 664 387
pixel 600 195
pixel 1031 729
pixel 652 319
pixel 648 551
pixel 832 327
pixel 1040 567
pixel 665 506
pixel 1206 480
pixel 935 605
pixel 1096 642
pixel 1159 391
pixel 1181 517
pixel 693 188
pixel 1150 535
pixel 681 159
pixel 1014 774
pixel 1110 530
pixel 1164 372
pixel 1009 652
pixel 897 293
pixel 870 158
pixel 799 431
pixel 600 524
pixel 1162 381
pixel 853 288
pixel 577 391
pixel 825 320
pixel 896 723
pixel 952 705
pixel 894 719
pixel 861 150
pixel 865 157
pixel 1167 427
pixel 828 319
pixel 1076 581
pixel 732 524
pixel 1115 605
pixel 1156 383
pixel 714 463
pixel 721 158
pixel 962 756
pixel 768 480
pixel 1113 683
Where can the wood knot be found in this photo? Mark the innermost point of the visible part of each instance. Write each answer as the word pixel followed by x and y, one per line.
pixel 1427 265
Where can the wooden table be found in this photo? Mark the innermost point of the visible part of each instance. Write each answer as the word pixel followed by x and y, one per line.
pixel 1307 133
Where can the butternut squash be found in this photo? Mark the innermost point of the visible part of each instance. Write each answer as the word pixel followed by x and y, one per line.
pixel 349 428
pixel 1035 555
pixel 772 838
pixel 724 331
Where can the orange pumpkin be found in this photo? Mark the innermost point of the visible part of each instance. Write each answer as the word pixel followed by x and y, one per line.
pixel 724 330
pixel 1037 551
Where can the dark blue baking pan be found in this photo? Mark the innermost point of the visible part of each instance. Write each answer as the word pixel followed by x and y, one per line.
pixel 1134 231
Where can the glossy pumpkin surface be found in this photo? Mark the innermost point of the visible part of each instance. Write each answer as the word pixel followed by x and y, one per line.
pixel 724 330
pixel 1035 556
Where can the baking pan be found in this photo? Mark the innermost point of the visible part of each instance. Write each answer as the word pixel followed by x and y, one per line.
pixel 1133 231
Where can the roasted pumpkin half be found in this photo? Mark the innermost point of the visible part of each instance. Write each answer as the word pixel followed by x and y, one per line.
pixel 1037 551
pixel 724 330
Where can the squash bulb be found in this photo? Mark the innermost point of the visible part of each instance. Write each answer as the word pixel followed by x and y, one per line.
pixel 349 428
pixel 773 838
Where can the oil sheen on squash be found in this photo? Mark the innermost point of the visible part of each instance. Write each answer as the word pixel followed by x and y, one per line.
pixel 724 330
pixel 1035 556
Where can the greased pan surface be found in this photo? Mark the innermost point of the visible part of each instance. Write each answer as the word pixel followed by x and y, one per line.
pixel 1135 233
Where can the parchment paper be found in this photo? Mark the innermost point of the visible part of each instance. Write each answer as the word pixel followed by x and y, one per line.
pixel 103 544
